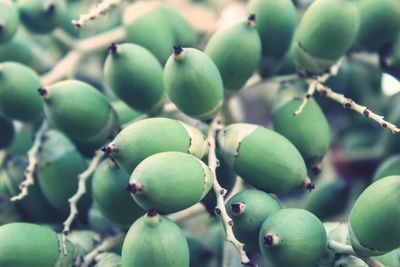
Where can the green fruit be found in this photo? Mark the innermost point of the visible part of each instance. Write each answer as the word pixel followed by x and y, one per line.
pixel 41 16
pixel 7 132
pixel 108 260
pixel 78 110
pixel 8 210
pixel 59 156
pixel 150 136
pixel 161 182
pixel 374 219
pixel 236 52
pixel 293 237
pixel 380 23
pixel 9 20
pixel 263 158
pixel 135 76
pixel 25 244
pixel 309 131
pixel 329 199
pixel 276 22
pixel 162 244
pixel 146 25
pixel 327 30
pixel 249 209
pixel 23 139
pixel 391 166
pixel 193 83
pixel 124 112
pixel 18 95
pixel 390 259
pixel 108 188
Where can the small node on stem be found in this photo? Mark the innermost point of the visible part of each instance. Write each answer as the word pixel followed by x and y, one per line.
pixel 347 103
pixel 238 208
pixel 308 184
pixel 109 149
pixel 316 168
pixel 218 211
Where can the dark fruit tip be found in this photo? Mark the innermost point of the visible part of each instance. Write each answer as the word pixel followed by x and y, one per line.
pixel 113 48
pixel 106 149
pixel 151 213
pixel 50 9
pixel 237 208
pixel 310 186
pixel 268 240
pixel 134 188
pixel 177 50
pixel 1 26
pixel 43 91
pixel 252 18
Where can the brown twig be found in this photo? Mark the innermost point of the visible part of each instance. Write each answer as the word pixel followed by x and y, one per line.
pixel 95 12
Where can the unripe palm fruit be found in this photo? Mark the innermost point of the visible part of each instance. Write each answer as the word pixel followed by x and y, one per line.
pixel 380 23
pixel 374 219
pixel 135 76
pixel 108 188
pixel 124 112
pixel 170 181
pixel 293 237
pixel 18 95
pixel 26 244
pixel 77 109
pixel 391 166
pixel 193 83
pixel 150 136
pixel 7 132
pixel 329 199
pixel 156 241
pixel 23 139
pixel 8 210
pixel 59 156
pixel 327 30
pixel 41 16
pixel 236 51
pixel 276 22
pixel 142 18
pixel 263 158
pixel 390 259
pixel 9 20
pixel 249 209
pixel 309 131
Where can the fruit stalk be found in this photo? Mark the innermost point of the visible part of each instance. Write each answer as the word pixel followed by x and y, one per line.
pixel 105 245
pixel 32 157
pixel 220 192
pixel 100 9
pixel 81 191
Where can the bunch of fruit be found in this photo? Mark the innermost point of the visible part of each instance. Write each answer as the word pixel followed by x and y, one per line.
pixel 131 140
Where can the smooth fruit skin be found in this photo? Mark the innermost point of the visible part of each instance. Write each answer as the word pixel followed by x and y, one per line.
pixel 155 241
pixel 374 219
pixel 263 158
pixel 124 112
pixel 301 238
pixel 26 244
pixel 146 25
pixel 391 166
pixel 9 20
pixel 236 51
pixel 77 109
pixel 326 31
pixel 135 76
pixel 150 136
pixel 257 207
pixel 18 92
pixel 380 23
pixel 276 22
pixel 108 189
pixel 390 259
pixel 309 131
pixel 41 16
pixel 170 181
pixel 193 83
pixel 7 132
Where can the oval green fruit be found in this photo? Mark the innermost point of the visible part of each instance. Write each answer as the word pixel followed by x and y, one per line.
pixel 293 237
pixel 108 189
pixel 156 241
pixel 276 22
pixel 135 76
pixel 170 181
pixel 236 51
pixel 26 244
pixel 150 136
pixel 78 110
pixel 9 20
pixel 193 83
pixel 18 92
pixel 263 158
pixel 391 166
pixel 248 210
pixel 374 219
pixel 326 31
pixel 7 132
pixel 390 259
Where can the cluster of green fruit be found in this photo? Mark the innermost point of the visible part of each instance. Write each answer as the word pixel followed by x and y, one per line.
pixel 162 158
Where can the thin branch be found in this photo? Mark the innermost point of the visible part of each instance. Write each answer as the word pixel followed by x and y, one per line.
pixel 187 213
pixel 32 157
pixel 106 245
pixel 310 93
pixel 350 104
pixel 220 194
pixel 82 178
pixel 95 12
